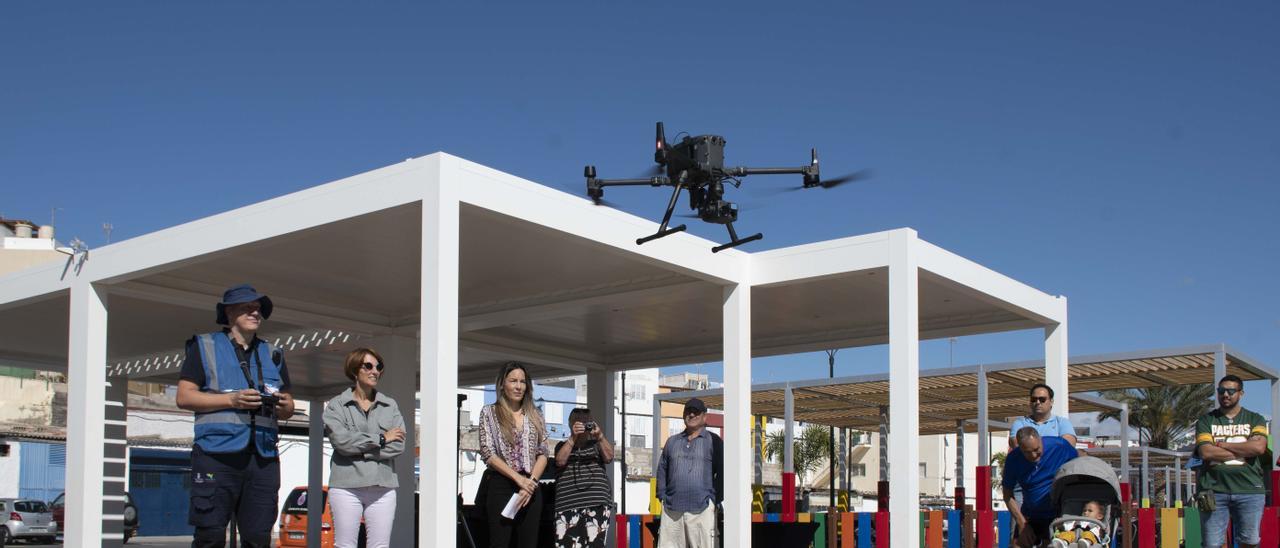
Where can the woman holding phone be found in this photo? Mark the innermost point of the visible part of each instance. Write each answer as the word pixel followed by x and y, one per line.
pixel 584 497
pixel 367 433
pixel 513 444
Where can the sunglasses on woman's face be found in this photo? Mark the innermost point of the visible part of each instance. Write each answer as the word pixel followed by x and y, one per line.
pixel 369 366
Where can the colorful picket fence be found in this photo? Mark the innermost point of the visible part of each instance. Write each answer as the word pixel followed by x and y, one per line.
pixel 1156 528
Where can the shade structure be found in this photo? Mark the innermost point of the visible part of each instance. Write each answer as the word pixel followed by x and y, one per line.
pixel 455 268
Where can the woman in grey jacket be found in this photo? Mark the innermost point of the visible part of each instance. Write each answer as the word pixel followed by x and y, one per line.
pixel 367 433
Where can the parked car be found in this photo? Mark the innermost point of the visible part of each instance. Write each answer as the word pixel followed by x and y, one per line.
pixel 294 519
pixel 130 517
pixel 58 509
pixel 26 519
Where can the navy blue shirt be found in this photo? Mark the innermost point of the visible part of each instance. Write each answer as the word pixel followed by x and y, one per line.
pixel 1036 479
pixel 690 472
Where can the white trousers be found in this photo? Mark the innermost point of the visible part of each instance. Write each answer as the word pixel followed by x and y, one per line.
pixel 688 529
pixel 377 505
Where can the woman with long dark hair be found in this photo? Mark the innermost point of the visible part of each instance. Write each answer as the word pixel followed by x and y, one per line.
pixel 584 497
pixel 513 444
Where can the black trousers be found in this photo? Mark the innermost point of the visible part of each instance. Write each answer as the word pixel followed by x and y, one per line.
pixel 521 532
pixel 243 484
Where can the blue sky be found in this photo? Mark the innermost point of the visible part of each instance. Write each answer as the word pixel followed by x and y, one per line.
pixel 1124 156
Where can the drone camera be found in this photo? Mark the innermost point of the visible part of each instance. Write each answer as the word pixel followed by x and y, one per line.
pixel 718 211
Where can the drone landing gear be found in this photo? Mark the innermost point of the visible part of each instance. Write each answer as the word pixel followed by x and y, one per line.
pixel 734 240
pixel 666 217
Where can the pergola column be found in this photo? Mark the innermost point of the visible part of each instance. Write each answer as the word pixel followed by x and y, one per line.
pixel 400 353
pixel 86 401
pixel 1125 488
pixel 1275 408
pixel 788 457
pixel 904 389
pixel 115 463
pixel 315 464
pixel 1219 364
pixel 601 393
pixel 438 364
pixel 737 413
pixel 1055 361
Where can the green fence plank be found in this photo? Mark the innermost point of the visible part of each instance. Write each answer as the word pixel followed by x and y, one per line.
pixel 1191 535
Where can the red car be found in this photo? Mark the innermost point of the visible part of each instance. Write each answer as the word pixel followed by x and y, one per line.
pixel 58 507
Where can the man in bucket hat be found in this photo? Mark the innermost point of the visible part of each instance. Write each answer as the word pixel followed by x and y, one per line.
pixel 690 482
pixel 238 387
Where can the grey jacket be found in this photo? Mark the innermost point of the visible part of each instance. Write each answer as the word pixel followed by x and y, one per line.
pixel 358 459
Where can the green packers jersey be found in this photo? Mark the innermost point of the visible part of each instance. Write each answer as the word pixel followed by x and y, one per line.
pixel 1239 476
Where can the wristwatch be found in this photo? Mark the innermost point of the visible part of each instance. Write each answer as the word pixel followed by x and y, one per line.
pixel 382 440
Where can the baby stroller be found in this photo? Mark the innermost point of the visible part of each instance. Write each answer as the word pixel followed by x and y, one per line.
pixel 1079 481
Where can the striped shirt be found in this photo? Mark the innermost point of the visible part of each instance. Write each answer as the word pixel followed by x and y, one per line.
pixel 686 472
pixel 582 482
pixel 520 456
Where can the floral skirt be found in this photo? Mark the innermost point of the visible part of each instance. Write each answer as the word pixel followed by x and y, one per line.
pixel 583 527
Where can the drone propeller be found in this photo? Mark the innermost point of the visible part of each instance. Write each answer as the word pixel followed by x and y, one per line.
pixel 860 175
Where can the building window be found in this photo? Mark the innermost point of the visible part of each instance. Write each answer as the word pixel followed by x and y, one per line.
pixel 923 471
pixel 636 441
pixel 859 470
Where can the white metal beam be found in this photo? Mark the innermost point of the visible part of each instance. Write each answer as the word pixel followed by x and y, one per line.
pixel 991 286
pixel 217 235
pixel 737 413
pixel 904 387
pixel 86 400
pixel 820 260
pixel 654 292
pixel 438 363
pixel 294 312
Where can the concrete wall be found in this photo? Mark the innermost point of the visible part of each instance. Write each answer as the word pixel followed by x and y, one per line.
pixel 10 469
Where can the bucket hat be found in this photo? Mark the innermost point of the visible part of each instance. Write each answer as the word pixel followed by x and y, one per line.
pixel 240 294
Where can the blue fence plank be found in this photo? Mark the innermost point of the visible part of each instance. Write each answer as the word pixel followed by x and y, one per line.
pixel 633 537
pixel 1004 524
pixel 864 529
pixel 953 528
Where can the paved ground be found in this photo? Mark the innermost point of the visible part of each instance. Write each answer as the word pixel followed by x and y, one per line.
pixel 151 542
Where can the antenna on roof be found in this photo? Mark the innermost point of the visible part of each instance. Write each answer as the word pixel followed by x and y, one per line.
pixel 106 229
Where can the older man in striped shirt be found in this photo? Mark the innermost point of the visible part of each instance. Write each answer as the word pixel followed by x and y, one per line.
pixel 690 483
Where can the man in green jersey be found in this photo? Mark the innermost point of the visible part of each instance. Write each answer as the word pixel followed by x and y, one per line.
pixel 1231 440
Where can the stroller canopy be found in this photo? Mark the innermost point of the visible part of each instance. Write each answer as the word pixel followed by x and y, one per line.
pixel 1085 478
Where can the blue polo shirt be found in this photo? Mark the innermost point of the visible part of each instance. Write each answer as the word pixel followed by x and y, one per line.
pixel 1053 426
pixel 1036 479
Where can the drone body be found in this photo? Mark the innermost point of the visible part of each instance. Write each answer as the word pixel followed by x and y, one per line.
pixel 696 165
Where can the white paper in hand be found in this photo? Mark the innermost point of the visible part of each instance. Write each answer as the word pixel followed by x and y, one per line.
pixel 513 506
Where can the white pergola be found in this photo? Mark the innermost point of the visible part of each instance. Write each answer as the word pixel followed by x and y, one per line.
pixel 457 267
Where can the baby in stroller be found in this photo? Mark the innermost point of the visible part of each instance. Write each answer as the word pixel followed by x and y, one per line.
pixel 1083 531
pixel 1086 493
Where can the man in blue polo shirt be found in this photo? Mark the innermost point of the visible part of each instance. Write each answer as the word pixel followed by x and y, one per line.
pixel 1032 467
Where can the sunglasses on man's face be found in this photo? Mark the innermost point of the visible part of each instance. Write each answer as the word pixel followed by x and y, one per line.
pixel 368 366
pixel 1227 391
pixel 1039 399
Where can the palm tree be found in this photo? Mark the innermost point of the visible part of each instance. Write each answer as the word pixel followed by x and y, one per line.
pixel 997 468
pixel 810 449
pixel 1162 415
